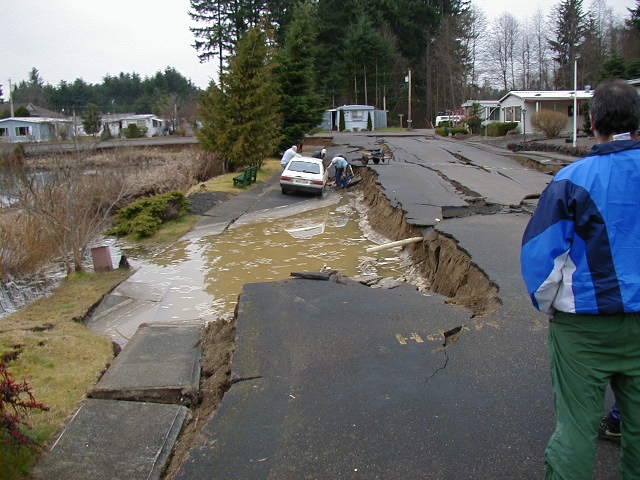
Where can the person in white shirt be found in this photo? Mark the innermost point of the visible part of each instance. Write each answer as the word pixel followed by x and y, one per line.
pixel 288 155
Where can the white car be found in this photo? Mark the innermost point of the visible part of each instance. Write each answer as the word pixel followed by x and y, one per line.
pixel 304 174
pixel 448 118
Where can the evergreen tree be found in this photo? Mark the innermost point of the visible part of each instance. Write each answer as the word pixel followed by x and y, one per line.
pixel 634 20
pixel 240 117
pixel 91 119
pixel 301 104
pixel 614 67
pixel 214 38
pixel 569 33
pixel 21 112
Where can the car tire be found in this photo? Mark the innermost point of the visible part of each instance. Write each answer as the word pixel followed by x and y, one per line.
pixel 284 191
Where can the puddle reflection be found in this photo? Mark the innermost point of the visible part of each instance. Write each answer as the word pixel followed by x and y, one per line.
pixel 270 251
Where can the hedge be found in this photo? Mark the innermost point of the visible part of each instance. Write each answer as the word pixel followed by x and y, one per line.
pixel 143 217
pixel 500 129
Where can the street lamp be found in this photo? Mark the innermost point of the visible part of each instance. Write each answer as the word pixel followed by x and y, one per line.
pixel 575 100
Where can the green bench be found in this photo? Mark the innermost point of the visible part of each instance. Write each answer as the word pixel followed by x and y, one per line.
pixel 246 178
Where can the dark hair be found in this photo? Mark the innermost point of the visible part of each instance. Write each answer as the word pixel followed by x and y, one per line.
pixel 615 108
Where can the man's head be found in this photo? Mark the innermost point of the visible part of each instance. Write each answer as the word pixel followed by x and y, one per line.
pixel 294 148
pixel 615 108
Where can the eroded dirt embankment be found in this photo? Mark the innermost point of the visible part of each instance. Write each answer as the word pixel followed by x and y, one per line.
pixel 446 267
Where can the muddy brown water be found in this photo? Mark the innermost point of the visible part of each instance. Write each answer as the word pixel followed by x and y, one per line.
pixel 330 237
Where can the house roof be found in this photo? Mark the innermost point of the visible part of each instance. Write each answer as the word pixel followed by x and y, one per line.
pixel 37 111
pixel 36 120
pixel 116 117
pixel 549 94
pixel 356 107
pixel 484 103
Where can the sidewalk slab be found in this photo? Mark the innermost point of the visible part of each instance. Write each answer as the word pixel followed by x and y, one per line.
pixel 161 363
pixel 114 440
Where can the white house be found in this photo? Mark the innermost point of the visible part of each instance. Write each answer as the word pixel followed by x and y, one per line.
pixel 489 111
pixel 117 122
pixel 355 118
pixel 635 82
pixel 520 105
pixel 35 129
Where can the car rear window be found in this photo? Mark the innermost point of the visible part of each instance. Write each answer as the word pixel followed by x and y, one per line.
pixel 306 167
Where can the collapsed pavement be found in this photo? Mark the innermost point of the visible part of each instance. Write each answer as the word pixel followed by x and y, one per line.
pixel 337 380
pixel 332 379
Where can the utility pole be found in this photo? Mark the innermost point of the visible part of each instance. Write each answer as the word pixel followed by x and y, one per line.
pixel 366 97
pixel 409 120
pixel 10 98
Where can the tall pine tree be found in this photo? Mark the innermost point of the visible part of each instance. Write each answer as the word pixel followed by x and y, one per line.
pixel 569 33
pixel 301 104
pixel 240 117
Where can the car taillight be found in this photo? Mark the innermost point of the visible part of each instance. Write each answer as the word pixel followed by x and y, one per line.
pixel 317 182
pixel 286 179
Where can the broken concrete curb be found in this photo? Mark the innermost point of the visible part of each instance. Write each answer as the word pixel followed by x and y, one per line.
pixel 113 440
pixel 161 363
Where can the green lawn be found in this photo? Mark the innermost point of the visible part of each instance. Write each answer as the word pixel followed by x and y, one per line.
pixel 224 183
pixel 59 357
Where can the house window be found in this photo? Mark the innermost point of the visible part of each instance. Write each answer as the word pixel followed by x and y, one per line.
pixel 141 123
pixel 495 114
pixel 508 115
pixel 4 132
pixel 357 115
pixel 22 131
pixel 518 114
pixel 570 110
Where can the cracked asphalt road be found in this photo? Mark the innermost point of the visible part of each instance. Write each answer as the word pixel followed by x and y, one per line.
pixel 354 382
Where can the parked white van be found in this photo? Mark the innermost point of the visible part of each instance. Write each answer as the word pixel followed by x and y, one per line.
pixel 448 118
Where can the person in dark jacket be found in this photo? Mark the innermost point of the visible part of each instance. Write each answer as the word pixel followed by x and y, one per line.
pixel 580 261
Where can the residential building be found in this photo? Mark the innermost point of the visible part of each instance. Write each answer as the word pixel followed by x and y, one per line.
pixel 519 106
pixel 355 118
pixel 118 122
pixel 488 109
pixel 34 129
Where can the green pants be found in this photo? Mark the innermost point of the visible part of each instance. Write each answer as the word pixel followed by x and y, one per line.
pixel 589 352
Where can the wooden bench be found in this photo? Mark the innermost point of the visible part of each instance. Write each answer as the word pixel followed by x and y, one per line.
pixel 246 178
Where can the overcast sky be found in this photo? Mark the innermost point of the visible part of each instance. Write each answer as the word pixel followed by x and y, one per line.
pixel 67 39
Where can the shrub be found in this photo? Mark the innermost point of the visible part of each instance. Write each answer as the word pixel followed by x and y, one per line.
pixel 549 122
pixel 445 131
pixel 500 129
pixel 16 400
pixel 133 131
pixel 475 124
pixel 143 217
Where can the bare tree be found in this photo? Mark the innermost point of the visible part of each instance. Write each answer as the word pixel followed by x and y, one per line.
pixel 502 48
pixel 74 206
pixel 540 49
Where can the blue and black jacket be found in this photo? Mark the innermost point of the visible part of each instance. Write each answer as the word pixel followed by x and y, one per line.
pixel 581 249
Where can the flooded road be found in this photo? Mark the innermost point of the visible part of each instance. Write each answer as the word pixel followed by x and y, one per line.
pixel 200 279
pixel 329 238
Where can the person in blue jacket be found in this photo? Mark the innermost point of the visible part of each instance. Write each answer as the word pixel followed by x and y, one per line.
pixel 580 261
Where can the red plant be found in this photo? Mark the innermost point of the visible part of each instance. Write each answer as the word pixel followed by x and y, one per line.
pixel 16 400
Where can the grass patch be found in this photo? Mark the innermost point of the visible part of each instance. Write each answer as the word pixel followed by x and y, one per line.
pixel 390 129
pixel 169 231
pixel 57 355
pixel 224 183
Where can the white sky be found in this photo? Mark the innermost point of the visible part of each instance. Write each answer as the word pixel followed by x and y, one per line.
pixel 524 9
pixel 67 39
